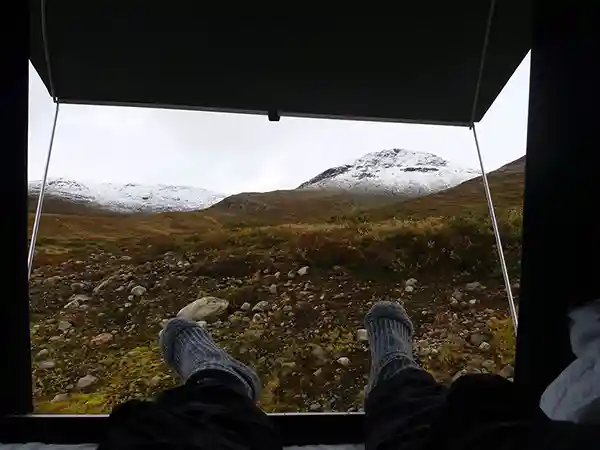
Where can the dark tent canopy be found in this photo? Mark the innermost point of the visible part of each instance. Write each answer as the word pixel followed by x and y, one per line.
pixel 417 62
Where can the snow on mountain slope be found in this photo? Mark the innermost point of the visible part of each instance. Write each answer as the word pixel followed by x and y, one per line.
pixel 393 171
pixel 130 197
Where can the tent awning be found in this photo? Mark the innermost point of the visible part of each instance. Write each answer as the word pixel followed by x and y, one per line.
pixel 416 62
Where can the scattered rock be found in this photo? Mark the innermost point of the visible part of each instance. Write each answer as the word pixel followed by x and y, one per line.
pixel 287 308
pixel 273 289
pixel 77 287
pixel 476 339
pixel 104 283
pixel 48 364
pixel 204 308
pixel 76 299
pixel 472 302
pixel 43 352
pixel 126 258
pixel 291 274
pixel 344 361
pixel 246 307
pixel 261 306
pixel 127 305
pixel 485 346
pixel 319 353
pixel 86 381
pixel 408 289
pixel 315 407
pixel 362 335
pixel 138 291
pixel 474 286
pixel 459 374
pixel 155 381
pixel 64 325
pixel 318 372
pixel 410 282
pixel 507 371
pixel 425 351
pixel 73 304
pixel 60 398
pixel 489 365
pixel 257 317
pixel 52 280
pixel 102 339
pixel 303 271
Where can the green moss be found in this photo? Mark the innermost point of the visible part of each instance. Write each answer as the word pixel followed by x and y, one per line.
pixel 127 375
pixel 504 339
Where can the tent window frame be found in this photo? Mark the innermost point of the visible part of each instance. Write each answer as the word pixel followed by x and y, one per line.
pixel 549 162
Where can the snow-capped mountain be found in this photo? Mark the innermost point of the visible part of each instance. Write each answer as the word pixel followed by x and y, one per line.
pixel 129 197
pixel 393 171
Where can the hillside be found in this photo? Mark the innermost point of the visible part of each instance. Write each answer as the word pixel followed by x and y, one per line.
pixel 315 205
pixel 297 291
pixel 506 187
pixel 516 166
pixel 293 206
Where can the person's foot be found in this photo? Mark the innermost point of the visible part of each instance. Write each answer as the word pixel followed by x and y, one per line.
pixel 390 334
pixel 188 349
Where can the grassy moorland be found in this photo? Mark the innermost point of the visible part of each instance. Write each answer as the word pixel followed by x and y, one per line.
pixel 94 342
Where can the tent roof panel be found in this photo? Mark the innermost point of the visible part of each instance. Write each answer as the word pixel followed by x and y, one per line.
pixel 418 63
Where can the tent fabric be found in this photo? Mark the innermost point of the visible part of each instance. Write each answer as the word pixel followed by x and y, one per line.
pixel 417 63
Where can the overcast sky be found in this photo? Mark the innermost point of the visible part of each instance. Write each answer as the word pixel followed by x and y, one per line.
pixel 232 153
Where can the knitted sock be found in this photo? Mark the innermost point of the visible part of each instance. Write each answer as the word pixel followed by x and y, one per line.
pixel 189 349
pixel 390 340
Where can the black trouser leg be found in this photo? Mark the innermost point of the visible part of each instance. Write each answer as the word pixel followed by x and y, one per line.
pixel 211 411
pixel 412 411
pixel 399 411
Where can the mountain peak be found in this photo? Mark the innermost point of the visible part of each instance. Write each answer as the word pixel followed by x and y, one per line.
pixel 397 156
pixel 130 197
pixel 393 171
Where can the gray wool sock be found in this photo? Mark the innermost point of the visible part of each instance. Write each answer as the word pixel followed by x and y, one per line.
pixel 188 349
pixel 390 340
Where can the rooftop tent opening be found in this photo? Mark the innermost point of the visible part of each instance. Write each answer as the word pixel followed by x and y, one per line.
pixel 420 65
pixel 550 161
